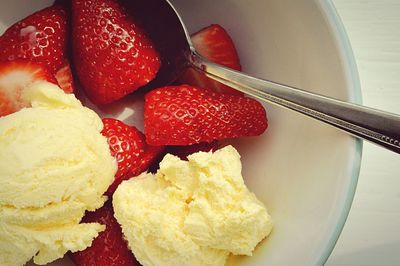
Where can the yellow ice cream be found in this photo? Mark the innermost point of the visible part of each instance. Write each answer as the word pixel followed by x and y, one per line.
pixel 54 166
pixel 194 212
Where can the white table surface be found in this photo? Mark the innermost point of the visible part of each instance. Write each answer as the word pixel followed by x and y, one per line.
pixel 371 235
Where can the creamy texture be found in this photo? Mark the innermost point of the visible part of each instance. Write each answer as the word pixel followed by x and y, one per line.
pixel 194 212
pixel 55 165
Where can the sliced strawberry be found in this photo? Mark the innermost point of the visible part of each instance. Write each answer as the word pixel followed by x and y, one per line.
pixel 109 248
pixel 16 76
pixel 150 155
pixel 7 105
pixel 65 79
pixel 184 151
pixel 41 37
pixel 185 115
pixel 215 44
pixel 113 56
pixel 126 145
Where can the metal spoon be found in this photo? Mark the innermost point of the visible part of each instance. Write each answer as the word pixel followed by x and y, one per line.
pixel 168 30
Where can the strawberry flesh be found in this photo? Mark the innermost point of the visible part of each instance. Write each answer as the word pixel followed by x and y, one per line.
pixel 65 79
pixel 113 55
pixel 41 37
pixel 185 115
pixel 16 76
pixel 215 44
pixel 7 106
pixel 109 248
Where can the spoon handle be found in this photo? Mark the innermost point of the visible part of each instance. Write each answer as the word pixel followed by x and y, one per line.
pixel 377 126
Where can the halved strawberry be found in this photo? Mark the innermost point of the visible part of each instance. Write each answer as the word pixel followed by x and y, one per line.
pixel 185 115
pixel 109 248
pixel 126 145
pixel 42 38
pixel 129 147
pixel 215 44
pixel 65 79
pixel 16 76
pixel 150 155
pixel 113 55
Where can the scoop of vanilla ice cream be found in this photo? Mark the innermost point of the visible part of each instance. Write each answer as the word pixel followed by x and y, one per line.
pixel 55 165
pixel 193 212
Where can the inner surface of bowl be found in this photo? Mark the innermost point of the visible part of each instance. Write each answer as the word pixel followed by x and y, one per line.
pixel 304 171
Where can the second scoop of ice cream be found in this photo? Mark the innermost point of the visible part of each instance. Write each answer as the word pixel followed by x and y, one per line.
pixel 54 166
pixel 192 212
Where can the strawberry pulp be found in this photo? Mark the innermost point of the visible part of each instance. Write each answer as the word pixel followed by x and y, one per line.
pixel 15 77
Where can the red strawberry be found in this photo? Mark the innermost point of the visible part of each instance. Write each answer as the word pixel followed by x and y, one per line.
pixel 113 56
pixel 150 155
pixel 214 43
pixel 41 38
pixel 109 248
pixel 184 151
pixel 16 76
pixel 126 145
pixel 185 115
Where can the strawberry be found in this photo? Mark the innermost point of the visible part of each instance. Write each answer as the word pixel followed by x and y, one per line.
pixel 41 38
pixel 16 76
pixel 109 248
pixel 150 155
pixel 185 115
pixel 113 55
pixel 214 43
pixel 126 145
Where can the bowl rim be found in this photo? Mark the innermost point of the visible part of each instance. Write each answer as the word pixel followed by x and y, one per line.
pixel 352 77
pixel 355 96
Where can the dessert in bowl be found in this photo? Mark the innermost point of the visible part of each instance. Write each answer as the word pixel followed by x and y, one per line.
pixel 303 171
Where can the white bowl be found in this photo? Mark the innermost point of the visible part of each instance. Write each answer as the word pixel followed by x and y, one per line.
pixel 304 171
